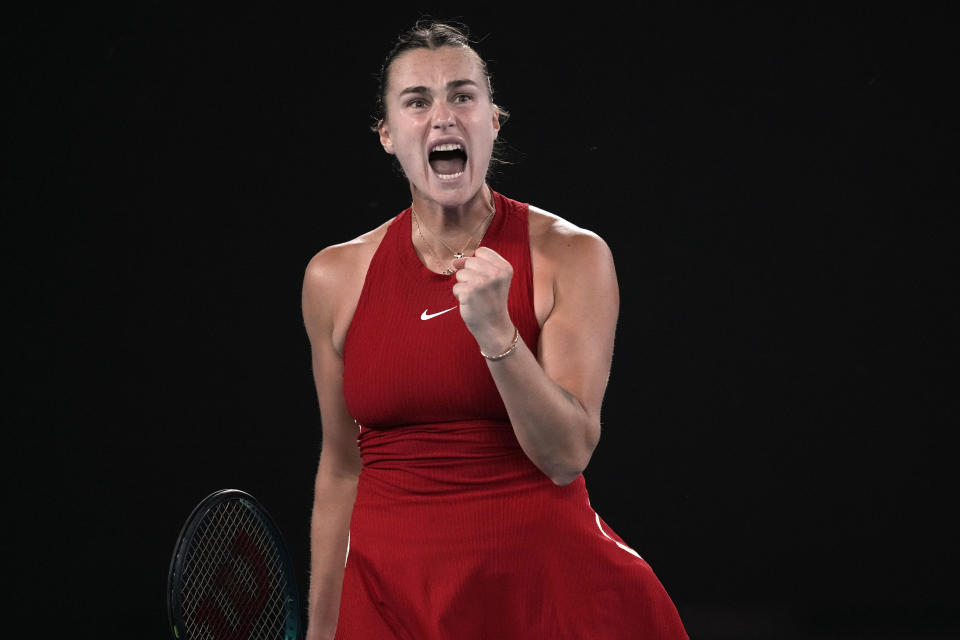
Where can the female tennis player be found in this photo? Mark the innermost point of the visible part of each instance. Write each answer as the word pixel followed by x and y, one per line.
pixel 461 351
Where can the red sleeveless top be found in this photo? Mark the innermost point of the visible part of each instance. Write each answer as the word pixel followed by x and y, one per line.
pixel 409 359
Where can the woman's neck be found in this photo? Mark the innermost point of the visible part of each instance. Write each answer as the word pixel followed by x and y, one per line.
pixel 453 222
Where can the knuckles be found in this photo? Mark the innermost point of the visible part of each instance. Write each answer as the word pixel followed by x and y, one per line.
pixel 484 271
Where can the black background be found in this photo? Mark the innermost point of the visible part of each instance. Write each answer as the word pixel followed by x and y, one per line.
pixel 770 181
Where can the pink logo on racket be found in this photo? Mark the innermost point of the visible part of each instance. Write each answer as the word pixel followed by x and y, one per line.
pixel 243 593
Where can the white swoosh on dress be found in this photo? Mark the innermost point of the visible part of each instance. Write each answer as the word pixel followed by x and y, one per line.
pixel 427 316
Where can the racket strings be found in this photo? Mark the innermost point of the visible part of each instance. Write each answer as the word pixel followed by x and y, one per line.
pixel 234 586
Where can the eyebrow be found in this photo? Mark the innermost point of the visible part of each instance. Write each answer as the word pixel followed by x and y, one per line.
pixel 453 84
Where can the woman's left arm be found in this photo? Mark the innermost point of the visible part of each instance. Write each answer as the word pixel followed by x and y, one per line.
pixel 554 403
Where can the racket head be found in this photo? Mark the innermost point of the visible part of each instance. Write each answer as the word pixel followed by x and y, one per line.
pixel 231 577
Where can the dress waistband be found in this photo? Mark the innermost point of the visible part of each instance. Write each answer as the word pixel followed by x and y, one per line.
pixel 444 457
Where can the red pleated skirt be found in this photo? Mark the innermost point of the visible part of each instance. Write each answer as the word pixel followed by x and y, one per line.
pixel 455 534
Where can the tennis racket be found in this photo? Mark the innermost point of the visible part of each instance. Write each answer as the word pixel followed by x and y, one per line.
pixel 230 575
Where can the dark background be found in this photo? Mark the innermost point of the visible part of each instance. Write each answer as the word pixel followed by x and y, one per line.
pixel 769 179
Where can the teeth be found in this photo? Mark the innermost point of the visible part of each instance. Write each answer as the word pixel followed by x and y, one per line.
pixel 446 147
pixel 449 176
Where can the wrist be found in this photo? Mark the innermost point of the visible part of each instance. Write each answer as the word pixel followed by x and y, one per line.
pixel 506 348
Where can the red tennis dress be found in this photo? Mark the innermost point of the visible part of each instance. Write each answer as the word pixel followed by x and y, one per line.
pixel 455 534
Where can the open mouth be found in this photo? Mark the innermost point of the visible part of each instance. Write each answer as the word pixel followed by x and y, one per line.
pixel 448 160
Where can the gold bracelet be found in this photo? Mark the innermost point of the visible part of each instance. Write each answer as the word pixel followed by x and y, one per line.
pixel 511 349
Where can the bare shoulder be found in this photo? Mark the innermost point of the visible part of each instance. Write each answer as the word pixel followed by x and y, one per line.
pixel 562 245
pixel 572 266
pixel 333 264
pixel 332 282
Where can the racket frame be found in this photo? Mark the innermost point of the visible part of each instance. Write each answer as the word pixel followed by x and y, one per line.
pixel 295 627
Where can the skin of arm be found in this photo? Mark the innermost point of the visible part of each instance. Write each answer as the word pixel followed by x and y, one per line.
pixel 327 285
pixel 554 403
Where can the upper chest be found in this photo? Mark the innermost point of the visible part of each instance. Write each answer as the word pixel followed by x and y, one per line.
pixel 350 286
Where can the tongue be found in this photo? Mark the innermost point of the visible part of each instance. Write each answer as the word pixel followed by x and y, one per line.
pixel 447 162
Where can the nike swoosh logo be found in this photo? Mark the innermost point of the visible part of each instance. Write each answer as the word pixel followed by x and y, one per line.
pixel 427 316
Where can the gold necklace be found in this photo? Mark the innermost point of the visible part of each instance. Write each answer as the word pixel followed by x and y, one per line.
pixel 456 254
pixel 448 271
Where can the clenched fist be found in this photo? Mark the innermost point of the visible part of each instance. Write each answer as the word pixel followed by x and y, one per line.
pixel 483 282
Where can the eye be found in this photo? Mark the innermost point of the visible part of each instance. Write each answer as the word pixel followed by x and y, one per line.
pixel 461 98
pixel 417 103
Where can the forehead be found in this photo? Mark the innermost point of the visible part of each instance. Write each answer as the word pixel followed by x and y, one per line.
pixel 433 68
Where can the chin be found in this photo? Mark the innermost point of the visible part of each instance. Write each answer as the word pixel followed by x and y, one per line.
pixel 452 192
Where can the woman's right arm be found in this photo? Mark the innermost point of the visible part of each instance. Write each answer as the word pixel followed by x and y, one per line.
pixel 336 485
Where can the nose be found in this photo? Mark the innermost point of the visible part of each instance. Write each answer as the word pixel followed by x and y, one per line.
pixel 443 116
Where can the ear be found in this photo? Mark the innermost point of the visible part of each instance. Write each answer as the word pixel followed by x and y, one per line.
pixel 385 140
pixel 496 120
